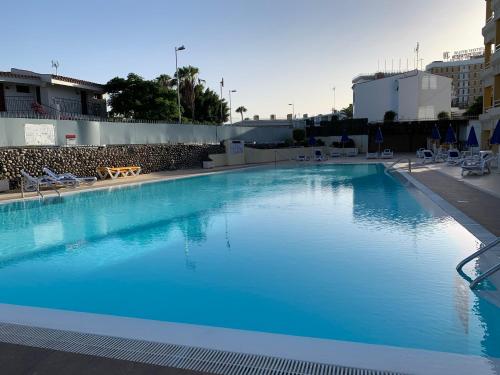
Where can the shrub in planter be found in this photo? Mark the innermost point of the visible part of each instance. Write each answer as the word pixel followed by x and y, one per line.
pixel 390 116
pixel 443 116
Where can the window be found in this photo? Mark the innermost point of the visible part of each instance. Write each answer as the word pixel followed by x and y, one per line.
pixel 23 89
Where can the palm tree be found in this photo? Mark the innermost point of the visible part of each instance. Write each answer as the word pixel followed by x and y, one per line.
pixel 241 110
pixel 166 81
pixel 188 80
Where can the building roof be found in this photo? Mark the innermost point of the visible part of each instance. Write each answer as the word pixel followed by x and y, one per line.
pixel 49 78
pixel 77 81
pixel 18 76
pixel 444 64
pixel 398 76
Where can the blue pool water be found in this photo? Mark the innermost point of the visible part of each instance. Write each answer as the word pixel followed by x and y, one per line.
pixel 334 251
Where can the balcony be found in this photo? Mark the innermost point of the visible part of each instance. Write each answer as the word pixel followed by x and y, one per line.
pixel 61 109
pixel 489 31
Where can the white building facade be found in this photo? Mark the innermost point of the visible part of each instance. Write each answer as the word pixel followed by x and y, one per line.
pixel 23 92
pixel 414 95
pixel 467 85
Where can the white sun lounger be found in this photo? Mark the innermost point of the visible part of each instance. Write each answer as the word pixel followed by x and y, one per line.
pixel 372 155
pixel 420 153
pixel 335 154
pixel 480 167
pixel 428 156
pixel 318 156
pixel 387 154
pixel 31 183
pixel 454 157
pixel 352 152
pixel 302 158
pixel 69 178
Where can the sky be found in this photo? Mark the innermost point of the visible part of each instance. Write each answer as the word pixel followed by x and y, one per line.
pixel 273 52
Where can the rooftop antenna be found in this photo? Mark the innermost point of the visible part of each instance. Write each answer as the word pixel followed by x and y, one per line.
pixel 55 65
pixel 417 50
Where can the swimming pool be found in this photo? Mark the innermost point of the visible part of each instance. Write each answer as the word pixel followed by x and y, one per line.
pixel 338 252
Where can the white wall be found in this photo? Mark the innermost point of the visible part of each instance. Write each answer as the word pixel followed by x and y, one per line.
pixel 56 93
pixel 373 99
pixel 408 97
pixel 12 133
pixel 434 95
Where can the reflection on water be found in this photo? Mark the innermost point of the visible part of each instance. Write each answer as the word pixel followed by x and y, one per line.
pixel 332 251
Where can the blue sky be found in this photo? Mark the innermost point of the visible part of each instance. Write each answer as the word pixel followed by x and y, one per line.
pixel 274 52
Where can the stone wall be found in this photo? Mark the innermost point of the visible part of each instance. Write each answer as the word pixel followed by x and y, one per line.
pixel 83 161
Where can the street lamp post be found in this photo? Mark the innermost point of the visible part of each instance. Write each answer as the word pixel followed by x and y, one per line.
pixel 293 110
pixel 231 107
pixel 334 99
pixel 181 48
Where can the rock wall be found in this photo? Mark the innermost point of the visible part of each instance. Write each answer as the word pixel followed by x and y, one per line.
pixel 83 161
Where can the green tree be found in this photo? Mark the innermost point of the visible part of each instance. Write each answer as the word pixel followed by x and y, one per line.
pixel 208 107
pixel 135 97
pixel 188 80
pixel 241 110
pixel 347 111
pixel 299 135
pixel 475 108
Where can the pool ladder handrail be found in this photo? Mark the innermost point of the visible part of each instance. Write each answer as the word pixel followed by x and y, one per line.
pixel 38 191
pixel 488 273
pixel 391 167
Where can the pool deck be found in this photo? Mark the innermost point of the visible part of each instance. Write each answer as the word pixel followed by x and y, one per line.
pixel 25 360
pixel 477 197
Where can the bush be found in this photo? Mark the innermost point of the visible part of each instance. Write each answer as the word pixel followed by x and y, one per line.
pixel 299 135
pixel 288 142
pixel 476 108
pixel 390 116
pixel 320 143
pixel 443 116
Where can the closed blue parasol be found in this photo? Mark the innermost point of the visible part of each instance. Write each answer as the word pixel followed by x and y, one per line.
pixel 450 136
pixel 472 139
pixel 495 139
pixel 344 138
pixel 379 138
pixel 436 135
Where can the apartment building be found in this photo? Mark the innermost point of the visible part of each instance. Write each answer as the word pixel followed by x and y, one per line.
pixel 467 84
pixel 491 73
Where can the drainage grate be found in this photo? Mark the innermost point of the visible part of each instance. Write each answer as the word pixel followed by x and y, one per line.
pixel 178 356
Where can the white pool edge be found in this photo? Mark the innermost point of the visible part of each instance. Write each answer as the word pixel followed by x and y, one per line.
pixel 340 353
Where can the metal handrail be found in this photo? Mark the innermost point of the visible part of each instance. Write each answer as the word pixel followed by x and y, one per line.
pixel 482 250
pixel 485 275
pixel 391 167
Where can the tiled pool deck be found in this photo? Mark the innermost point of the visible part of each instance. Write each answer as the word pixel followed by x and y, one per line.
pixel 478 198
